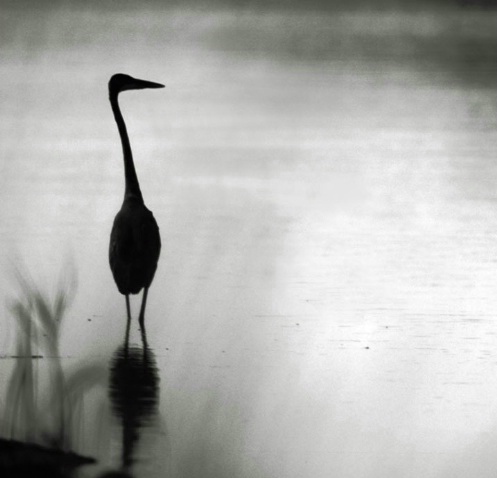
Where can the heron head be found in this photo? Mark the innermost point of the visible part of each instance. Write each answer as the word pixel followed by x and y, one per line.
pixel 121 82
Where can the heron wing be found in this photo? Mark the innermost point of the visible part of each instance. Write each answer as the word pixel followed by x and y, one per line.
pixel 147 240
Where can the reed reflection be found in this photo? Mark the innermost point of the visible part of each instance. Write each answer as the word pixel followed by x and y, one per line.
pixel 43 419
pixel 134 395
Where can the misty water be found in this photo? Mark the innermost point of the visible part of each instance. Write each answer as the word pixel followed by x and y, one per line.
pixel 325 185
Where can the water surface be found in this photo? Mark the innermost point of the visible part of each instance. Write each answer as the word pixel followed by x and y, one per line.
pixel 325 188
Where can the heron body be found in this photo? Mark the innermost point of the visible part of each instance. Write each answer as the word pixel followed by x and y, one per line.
pixel 135 243
pixel 134 247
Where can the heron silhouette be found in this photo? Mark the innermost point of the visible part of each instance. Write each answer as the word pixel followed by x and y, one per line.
pixel 135 243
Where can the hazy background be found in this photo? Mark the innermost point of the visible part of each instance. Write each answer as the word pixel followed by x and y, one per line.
pixel 324 178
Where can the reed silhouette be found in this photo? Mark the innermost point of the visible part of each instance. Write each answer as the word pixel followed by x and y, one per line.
pixel 42 421
pixel 135 240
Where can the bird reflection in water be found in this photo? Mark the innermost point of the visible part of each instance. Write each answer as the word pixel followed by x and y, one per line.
pixel 134 396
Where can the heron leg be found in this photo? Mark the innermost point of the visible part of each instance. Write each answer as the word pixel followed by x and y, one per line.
pixel 144 341
pixel 128 323
pixel 141 318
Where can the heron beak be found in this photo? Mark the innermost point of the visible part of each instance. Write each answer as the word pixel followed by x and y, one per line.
pixel 141 84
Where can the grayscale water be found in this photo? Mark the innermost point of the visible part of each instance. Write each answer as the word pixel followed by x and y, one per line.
pixel 326 189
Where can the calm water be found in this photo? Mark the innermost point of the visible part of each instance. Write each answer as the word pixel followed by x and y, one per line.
pixel 325 185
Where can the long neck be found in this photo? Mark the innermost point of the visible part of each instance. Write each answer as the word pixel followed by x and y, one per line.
pixel 132 188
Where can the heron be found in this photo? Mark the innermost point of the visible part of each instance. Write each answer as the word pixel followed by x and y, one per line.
pixel 135 243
